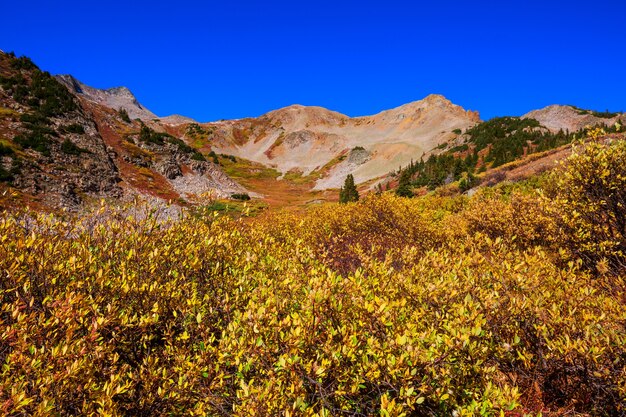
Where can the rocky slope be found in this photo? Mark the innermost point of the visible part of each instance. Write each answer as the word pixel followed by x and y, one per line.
pixel 570 118
pixel 327 144
pixel 115 98
pixel 64 148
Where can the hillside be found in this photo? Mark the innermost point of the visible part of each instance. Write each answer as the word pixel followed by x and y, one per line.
pixel 63 148
pixel 483 153
pixel 316 142
pixel 572 119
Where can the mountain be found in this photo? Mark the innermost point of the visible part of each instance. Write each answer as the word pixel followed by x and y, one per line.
pixel 570 118
pixel 329 145
pixel 64 147
pixel 115 98
pixel 65 144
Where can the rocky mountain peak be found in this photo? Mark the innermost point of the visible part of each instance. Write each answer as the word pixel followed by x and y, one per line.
pixel 433 105
pixel 115 97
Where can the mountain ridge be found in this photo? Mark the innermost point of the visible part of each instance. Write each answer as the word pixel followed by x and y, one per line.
pixel 301 149
pixel 115 97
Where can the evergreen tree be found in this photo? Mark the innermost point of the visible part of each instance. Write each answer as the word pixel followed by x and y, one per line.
pixel 404 186
pixel 348 192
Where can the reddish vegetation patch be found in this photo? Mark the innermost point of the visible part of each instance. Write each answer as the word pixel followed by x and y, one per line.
pixel 240 136
pixel 12 199
pixel 146 181
pixel 141 179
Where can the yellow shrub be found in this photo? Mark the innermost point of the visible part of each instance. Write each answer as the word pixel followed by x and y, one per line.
pixel 372 308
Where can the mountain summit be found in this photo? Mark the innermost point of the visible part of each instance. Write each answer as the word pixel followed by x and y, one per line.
pixel 115 98
pixel 306 140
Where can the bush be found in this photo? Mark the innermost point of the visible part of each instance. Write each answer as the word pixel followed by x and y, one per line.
pixel 124 315
pixel 47 96
pixel 34 140
pixel 51 97
pixel 467 181
pixel 195 130
pixel 591 192
pixel 22 63
pixel 124 115
pixel 229 157
pixel 5 176
pixel 525 220
pixel 197 156
pixel 34 119
pixel 71 148
pixel 240 196
pixel 73 128
pixel 6 150
pixel 182 146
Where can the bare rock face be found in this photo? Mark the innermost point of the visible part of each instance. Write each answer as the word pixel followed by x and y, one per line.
pixel 169 169
pixel 358 156
pixel 114 98
pixel 295 139
pixel 206 178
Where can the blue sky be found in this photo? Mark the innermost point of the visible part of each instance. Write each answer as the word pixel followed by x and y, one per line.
pixel 215 60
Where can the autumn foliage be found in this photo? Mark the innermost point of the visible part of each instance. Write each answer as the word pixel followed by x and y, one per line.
pixel 506 303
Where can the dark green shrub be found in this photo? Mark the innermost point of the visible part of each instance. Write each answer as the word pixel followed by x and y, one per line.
pixel 23 63
pixel 5 150
pixel 35 141
pixel 240 196
pixel 71 148
pixel 229 157
pixel 73 128
pixel 5 176
pixel 197 156
pixel 124 115
pixel 34 118
pixel 182 146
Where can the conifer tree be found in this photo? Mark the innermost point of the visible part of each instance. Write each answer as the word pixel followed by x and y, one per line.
pixel 404 186
pixel 348 192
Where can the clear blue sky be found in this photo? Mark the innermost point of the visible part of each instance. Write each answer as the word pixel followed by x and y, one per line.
pixel 229 59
